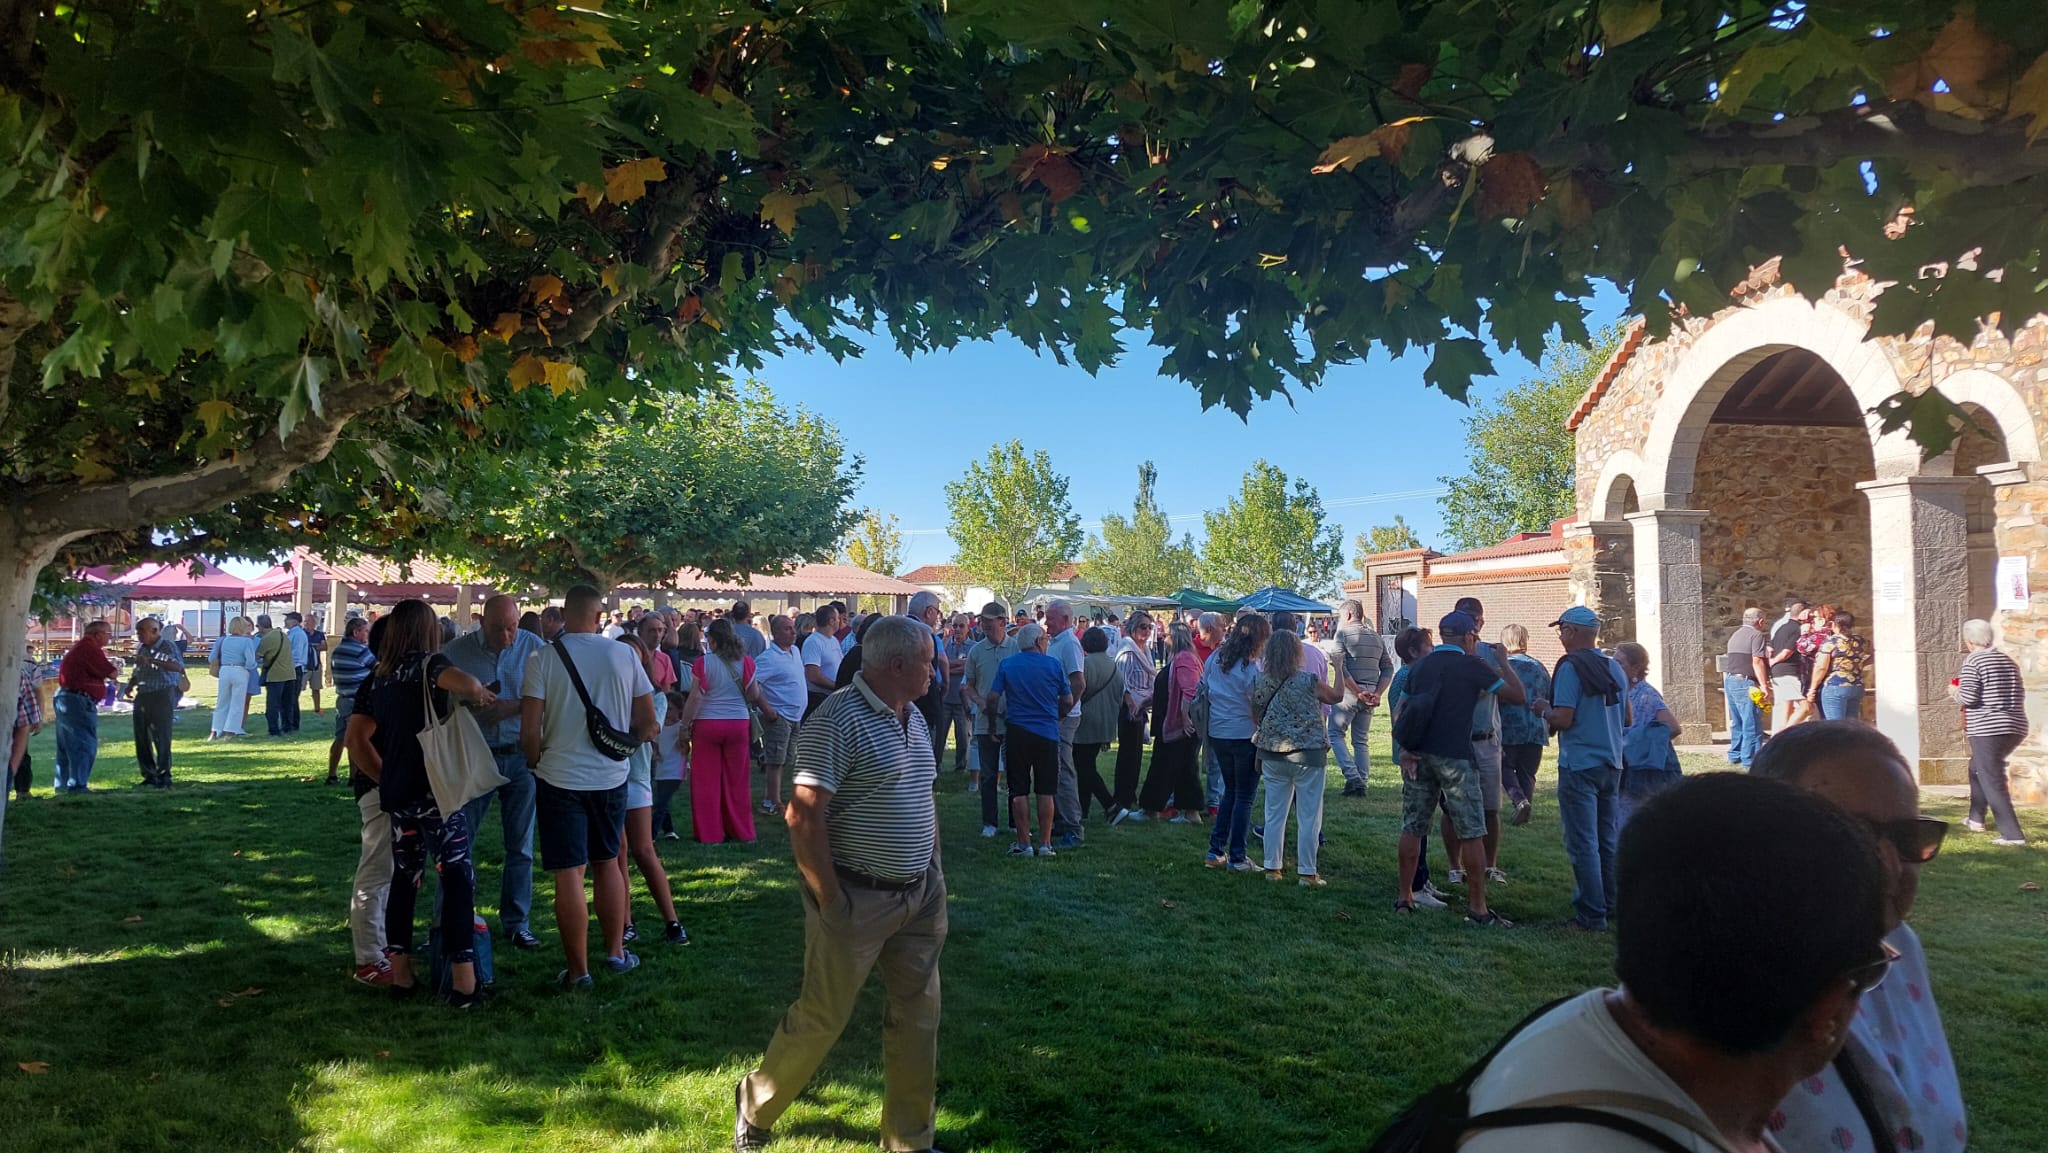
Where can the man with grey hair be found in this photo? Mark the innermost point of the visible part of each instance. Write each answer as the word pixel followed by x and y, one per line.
pixel 1364 672
pixel 1994 701
pixel 154 681
pixel 496 654
pixel 865 831
pixel 1064 646
pixel 924 609
pixel 1742 669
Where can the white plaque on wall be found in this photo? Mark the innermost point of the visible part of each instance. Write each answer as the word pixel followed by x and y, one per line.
pixel 2012 584
pixel 1891 588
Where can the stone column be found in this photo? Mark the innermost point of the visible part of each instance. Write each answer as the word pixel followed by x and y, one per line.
pixel 1603 564
pixel 463 595
pixel 1671 616
pixel 302 600
pixel 337 609
pixel 1920 593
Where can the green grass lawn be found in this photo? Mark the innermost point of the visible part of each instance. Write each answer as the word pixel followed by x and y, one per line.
pixel 180 962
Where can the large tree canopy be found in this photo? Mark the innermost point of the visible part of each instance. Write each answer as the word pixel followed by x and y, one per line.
pixel 728 484
pixel 1137 556
pixel 1010 519
pixel 1271 533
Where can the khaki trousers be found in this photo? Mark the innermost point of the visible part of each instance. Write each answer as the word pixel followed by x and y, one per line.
pixel 902 934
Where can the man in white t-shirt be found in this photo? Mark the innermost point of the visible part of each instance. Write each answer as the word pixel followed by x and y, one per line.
pixel 779 670
pixel 579 791
pixel 822 655
pixel 1065 647
pixel 1897 1046
pixel 1735 986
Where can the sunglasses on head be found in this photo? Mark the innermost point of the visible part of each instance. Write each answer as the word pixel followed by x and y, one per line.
pixel 1917 839
pixel 1864 978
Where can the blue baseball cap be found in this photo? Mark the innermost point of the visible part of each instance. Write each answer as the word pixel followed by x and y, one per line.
pixel 1577 615
pixel 1456 625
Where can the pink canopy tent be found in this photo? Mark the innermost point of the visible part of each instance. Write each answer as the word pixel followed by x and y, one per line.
pixel 177 581
pixel 366 581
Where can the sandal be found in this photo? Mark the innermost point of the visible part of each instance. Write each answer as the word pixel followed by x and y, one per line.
pixel 1404 906
pixel 1489 918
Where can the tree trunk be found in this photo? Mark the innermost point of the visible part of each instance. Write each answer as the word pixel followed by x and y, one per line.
pixel 20 562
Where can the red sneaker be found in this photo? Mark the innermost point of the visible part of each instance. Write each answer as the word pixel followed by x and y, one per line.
pixel 377 974
pixel 1168 813
pixel 1213 810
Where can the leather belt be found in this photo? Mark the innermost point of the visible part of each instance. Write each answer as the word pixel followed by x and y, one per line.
pixel 860 880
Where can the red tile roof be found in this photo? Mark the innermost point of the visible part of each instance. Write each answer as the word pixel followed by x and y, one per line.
pixel 1630 341
pixel 807 579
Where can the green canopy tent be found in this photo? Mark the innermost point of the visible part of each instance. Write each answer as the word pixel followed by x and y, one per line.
pixel 1203 602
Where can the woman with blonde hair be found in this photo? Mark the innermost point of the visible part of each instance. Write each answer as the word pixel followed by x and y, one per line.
pixel 1294 747
pixel 1523 733
pixel 233 662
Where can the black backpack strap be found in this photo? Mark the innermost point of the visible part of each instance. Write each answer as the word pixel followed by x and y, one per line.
pixel 1522 1118
pixel 1866 1104
pixel 576 679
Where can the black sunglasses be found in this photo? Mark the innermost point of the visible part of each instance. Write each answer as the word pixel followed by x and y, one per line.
pixel 1917 839
pixel 1864 978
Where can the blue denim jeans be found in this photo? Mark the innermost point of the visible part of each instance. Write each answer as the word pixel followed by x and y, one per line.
pixel 1240 764
pixel 1745 722
pixel 515 815
pixel 1350 737
pixel 1841 702
pixel 275 713
pixel 78 739
pixel 1589 811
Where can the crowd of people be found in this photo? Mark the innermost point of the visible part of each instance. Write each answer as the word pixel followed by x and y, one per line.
pixel 1734 988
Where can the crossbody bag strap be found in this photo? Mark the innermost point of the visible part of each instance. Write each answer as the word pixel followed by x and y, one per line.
pixel 1600 1100
pixel 1866 1103
pixel 576 679
pixel 1524 1116
pixel 1091 694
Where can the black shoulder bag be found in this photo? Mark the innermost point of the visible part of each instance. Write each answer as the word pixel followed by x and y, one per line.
pixel 611 742
pixel 1411 721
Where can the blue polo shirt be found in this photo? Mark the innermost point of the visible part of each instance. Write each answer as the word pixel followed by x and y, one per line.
pixel 1031 685
pixel 1594 740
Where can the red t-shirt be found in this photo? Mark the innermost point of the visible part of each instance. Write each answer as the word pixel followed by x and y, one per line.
pixel 86 669
pixel 1202 651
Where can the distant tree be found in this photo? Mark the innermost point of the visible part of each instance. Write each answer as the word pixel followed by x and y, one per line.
pixel 875 543
pixel 1520 461
pixel 1138 556
pixel 1383 538
pixel 1011 522
pixel 726 483
pixel 1271 534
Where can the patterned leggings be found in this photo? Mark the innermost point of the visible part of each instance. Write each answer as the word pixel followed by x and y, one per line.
pixel 416 831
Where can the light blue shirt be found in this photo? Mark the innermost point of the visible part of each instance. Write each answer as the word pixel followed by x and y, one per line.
pixel 302 645
pixel 506 667
pixel 1230 699
pixel 1594 740
pixel 237 652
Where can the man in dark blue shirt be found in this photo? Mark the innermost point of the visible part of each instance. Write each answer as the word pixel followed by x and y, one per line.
pixel 1032 693
pixel 1449 682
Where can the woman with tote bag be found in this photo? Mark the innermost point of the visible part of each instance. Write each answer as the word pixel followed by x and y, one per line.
pixel 388 741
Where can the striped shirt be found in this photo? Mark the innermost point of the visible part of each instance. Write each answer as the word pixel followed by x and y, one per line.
pixel 878 767
pixel 352 662
pixel 157 667
pixel 1138 670
pixel 1993 697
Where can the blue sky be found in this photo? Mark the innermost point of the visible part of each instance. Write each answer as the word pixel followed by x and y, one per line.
pixel 1372 440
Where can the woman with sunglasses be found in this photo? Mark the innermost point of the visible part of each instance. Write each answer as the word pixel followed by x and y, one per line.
pixel 1895 1072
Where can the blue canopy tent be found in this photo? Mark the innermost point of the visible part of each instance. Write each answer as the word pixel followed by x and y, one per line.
pixel 1274 599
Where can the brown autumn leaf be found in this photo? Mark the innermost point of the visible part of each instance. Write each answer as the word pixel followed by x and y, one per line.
pixel 464 347
pixel 1387 141
pixel 1510 184
pixel 527 370
pixel 544 287
pixel 2030 97
pixel 505 327
pixel 1963 58
pixel 1051 170
pixel 691 308
pixel 1409 81
pixel 33 1068
pixel 628 182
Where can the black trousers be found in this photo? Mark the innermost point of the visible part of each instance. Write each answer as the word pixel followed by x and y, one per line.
pixel 1988 785
pixel 1130 757
pixel 22 776
pixel 154 712
pixel 1172 780
pixel 1089 781
pixel 989 751
pixel 1518 770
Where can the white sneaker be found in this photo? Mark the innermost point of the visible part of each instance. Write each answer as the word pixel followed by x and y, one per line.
pixel 1496 876
pixel 1455 877
pixel 1046 851
pixel 988 830
pixel 1426 899
pixel 1974 826
pixel 2009 841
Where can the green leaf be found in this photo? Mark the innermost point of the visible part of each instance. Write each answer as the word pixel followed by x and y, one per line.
pixel 1454 363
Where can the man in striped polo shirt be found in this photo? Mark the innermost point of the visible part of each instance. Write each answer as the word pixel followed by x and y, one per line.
pixel 865 831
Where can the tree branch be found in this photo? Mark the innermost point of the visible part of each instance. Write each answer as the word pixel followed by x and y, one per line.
pixel 1980 153
pixel 678 201
pixel 68 512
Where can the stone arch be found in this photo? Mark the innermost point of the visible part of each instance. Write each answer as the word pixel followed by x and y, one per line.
pixel 1994 396
pixel 1619 487
pixel 1733 344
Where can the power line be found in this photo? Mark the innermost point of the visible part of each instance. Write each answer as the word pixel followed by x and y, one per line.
pixel 1340 502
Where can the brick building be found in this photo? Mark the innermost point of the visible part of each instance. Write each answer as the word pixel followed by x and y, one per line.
pixel 1738 460
pixel 1524 580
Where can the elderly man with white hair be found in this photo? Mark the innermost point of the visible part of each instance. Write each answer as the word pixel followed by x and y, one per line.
pixel 865 831
pixel 1742 670
pixel 1994 701
pixel 1063 644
